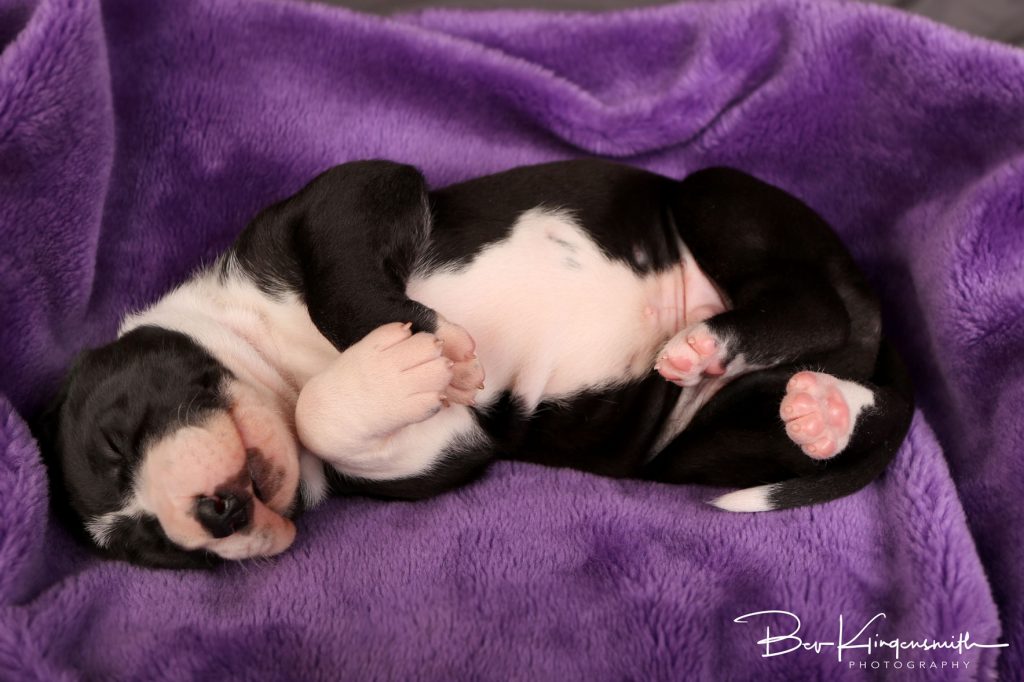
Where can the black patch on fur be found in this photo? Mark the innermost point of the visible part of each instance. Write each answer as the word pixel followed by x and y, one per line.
pixel 142 541
pixel 609 432
pixel 624 210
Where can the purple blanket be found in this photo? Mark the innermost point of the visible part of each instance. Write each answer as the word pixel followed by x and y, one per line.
pixel 136 140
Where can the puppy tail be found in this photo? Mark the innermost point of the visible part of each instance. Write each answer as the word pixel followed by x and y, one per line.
pixel 807 490
pixel 879 433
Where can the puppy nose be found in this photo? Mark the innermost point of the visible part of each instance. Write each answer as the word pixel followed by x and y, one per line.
pixel 224 514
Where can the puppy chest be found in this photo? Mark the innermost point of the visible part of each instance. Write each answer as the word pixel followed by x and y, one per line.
pixel 552 314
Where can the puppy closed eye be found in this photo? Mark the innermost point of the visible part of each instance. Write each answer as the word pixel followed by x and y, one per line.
pixel 109 455
pixel 118 437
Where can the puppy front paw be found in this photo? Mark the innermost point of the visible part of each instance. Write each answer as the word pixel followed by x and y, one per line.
pixel 407 378
pixel 467 372
pixel 387 380
pixel 692 354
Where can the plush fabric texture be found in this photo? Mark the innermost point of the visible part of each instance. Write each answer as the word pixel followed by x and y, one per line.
pixel 137 139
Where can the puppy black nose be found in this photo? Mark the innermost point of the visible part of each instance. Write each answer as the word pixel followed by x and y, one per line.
pixel 224 514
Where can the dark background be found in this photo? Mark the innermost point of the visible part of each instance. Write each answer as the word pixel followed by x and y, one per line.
pixel 1001 20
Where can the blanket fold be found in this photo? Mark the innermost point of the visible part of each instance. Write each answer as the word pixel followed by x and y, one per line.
pixel 137 139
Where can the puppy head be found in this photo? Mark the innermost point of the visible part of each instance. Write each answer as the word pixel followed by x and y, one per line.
pixel 166 459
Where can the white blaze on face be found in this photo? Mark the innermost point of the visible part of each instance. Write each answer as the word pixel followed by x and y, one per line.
pixel 196 461
pixel 189 463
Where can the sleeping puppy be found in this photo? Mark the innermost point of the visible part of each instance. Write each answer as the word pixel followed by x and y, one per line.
pixel 712 331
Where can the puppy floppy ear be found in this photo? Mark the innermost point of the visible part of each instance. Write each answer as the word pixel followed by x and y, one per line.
pixel 45 425
pixel 46 428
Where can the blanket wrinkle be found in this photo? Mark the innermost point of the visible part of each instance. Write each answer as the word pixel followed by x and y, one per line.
pixel 670 100
pixel 137 139
pixel 23 506
pixel 55 117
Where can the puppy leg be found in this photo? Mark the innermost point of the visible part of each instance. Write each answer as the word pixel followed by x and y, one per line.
pixel 781 318
pixel 742 438
pixel 736 439
pixel 378 415
pixel 692 354
pixel 347 244
pixel 792 289
pixel 386 381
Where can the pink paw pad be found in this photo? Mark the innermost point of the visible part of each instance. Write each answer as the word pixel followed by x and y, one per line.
pixel 816 415
pixel 690 355
pixel 467 372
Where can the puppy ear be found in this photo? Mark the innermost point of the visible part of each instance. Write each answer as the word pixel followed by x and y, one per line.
pixel 45 425
pixel 46 428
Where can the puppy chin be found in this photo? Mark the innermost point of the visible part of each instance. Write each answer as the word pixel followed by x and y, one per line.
pixel 270 534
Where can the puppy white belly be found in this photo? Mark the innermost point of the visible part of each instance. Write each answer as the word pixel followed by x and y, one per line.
pixel 551 314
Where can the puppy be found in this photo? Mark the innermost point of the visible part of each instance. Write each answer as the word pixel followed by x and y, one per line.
pixel 711 330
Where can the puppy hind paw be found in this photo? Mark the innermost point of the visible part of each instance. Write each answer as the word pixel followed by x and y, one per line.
pixel 467 381
pixel 820 412
pixel 467 372
pixel 692 354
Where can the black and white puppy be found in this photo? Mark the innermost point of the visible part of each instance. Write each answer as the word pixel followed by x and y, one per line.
pixel 712 330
